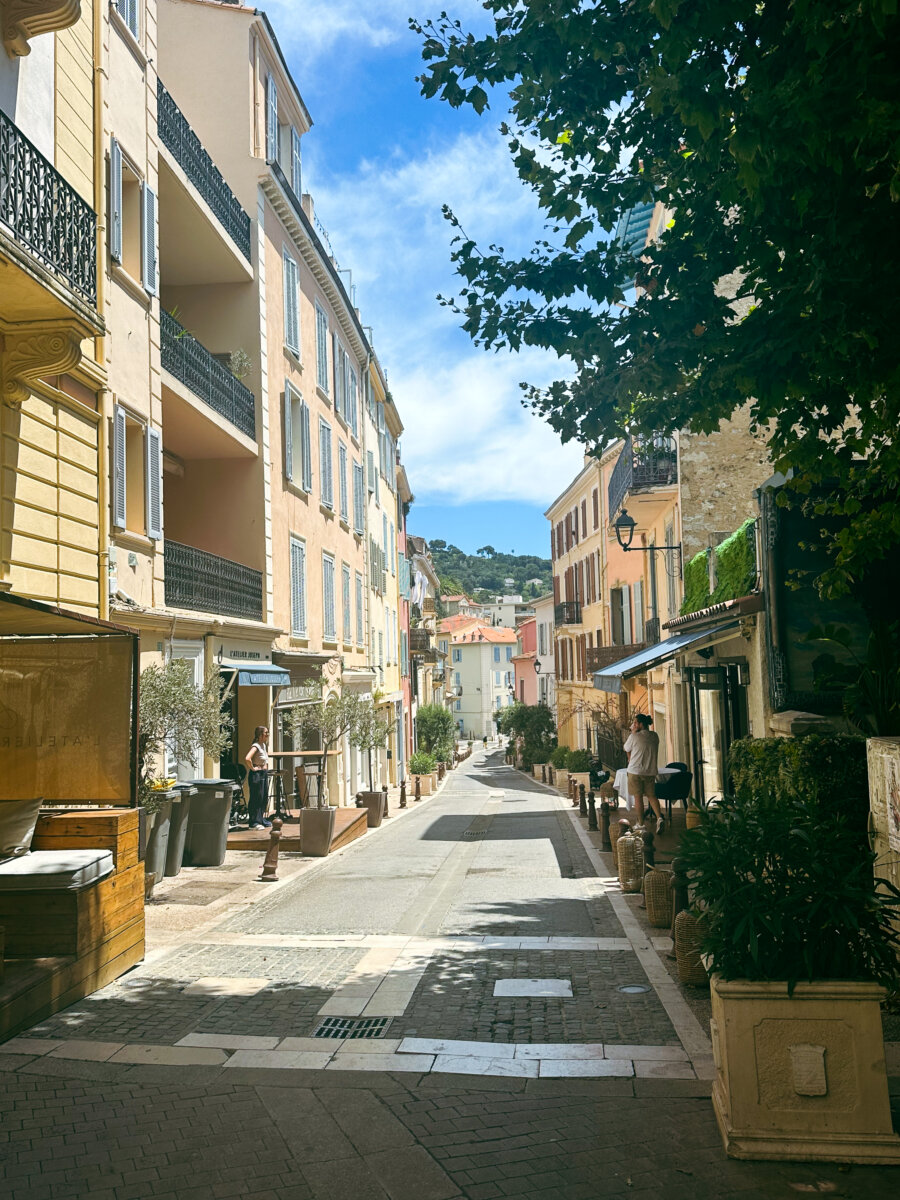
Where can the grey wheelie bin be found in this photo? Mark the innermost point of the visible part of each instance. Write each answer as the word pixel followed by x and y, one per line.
pixel 181 807
pixel 207 823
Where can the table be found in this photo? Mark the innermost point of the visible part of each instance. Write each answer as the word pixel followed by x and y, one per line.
pixel 620 783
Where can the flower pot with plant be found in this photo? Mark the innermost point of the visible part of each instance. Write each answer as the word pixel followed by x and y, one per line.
pixel 558 759
pixel 578 765
pixel 422 767
pixel 801 943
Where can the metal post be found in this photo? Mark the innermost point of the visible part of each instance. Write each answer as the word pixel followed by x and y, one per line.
pixel 592 813
pixel 605 843
pixel 403 793
pixel 384 792
pixel 649 851
pixel 418 789
pixel 270 866
pixel 680 899
pixel 543 772
pixel 582 802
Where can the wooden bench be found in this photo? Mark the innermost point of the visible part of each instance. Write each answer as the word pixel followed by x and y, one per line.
pixel 63 943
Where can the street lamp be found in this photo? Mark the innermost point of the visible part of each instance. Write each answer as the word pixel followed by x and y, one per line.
pixel 625 526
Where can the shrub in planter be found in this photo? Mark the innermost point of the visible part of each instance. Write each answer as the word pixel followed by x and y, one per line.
pixel 422 763
pixel 559 757
pixel 801 944
pixel 577 762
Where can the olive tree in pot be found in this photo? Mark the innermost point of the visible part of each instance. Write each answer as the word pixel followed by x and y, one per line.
pixel 174 716
pixel 801 944
pixel 371 733
pixel 330 719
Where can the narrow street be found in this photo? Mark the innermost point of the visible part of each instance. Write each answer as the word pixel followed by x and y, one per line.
pixel 529 1037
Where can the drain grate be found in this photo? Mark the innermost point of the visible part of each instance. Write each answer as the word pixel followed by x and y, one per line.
pixel 471 834
pixel 351 1027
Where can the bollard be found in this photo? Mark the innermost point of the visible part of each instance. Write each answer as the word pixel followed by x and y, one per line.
pixel 592 813
pixel 418 789
pixel 649 850
pixel 384 792
pixel 441 770
pixel 605 843
pixel 270 866
pixel 403 793
pixel 680 899
pixel 582 801
pixel 543 772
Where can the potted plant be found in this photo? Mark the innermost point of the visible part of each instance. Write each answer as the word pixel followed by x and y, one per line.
pixel 578 765
pixel 371 733
pixel 800 941
pixel 558 759
pixel 421 767
pixel 177 717
pixel 329 718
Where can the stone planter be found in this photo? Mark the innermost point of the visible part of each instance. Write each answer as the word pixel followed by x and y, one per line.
pixel 434 781
pixel 536 770
pixel 561 780
pixel 581 777
pixel 425 784
pixel 801 1077
pixel 316 830
pixel 373 802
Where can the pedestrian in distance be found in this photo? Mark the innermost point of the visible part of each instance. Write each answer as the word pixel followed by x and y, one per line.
pixel 642 748
pixel 257 760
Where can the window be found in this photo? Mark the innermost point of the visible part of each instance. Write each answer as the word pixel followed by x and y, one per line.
pixel 298 587
pixel 496 654
pixel 459 709
pixel 326 476
pixel 384 537
pixel 353 403
pixel 443 646
pixel 345 598
pixel 291 305
pixel 296 172
pixel 137 476
pixel 359 511
pixel 360 628
pixel 128 11
pixel 639 611
pixel 271 120
pixel 498 678
pixel 343 491
pixel 542 639
pixel 393 558
pixel 671 571
pixel 297 439
pixel 321 348
pixel 457 654
pixel 509 651
pixel 456 679
pixel 329 631
pixel 132 221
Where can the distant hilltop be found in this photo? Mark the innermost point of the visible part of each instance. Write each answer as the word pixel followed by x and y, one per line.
pixel 489 573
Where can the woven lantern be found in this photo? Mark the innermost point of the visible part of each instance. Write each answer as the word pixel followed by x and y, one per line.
pixel 630 860
pixel 691 816
pixel 687 950
pixel 658 897
pixel 616 829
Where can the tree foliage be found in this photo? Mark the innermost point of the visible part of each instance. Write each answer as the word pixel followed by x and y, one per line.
pixel 770 133
pixel 486 571
pixel 330 720
pixel 532 727
pixel 435 730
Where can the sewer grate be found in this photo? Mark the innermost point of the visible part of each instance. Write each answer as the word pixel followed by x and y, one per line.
pixel 633 989
pixel 351 1027
pixel 474 833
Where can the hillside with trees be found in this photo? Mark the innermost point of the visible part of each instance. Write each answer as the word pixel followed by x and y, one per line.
pixel 489 572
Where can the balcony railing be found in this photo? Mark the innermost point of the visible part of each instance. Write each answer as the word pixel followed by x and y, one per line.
pixel 652 632
pixel 419 640
pixel 601 657
pixel 642 465
pixel 176 135
pixel 204 582
pixel 185 358
pixel 45 214
pixel 567 613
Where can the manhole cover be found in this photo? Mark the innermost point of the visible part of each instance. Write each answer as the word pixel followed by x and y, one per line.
pixel 351 1027
pixel 633 989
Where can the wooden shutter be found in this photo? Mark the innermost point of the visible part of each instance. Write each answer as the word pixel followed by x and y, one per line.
pixel 353 404
pixel 115 201
pixel 288 434
pixel 584 527
pixel 596 502
pixel 593 562
pixel 575 524
pixel 271 120
pixel 153 478
pixel 370 461
pixel 556 589
pixel 306 447
pixel 298 586
pixel 568 530
pixel 119 510
pixel 148 240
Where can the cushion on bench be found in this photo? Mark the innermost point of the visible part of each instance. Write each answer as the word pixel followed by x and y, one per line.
pixel 55 870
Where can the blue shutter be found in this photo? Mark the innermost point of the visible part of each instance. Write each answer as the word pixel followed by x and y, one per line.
pixel 148 240
pixel 153 475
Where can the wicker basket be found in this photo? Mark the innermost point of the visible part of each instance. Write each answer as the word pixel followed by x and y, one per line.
pixel 691 817
pixel 615 831
pixel 687 950
pixel 630 861
pixel 658 897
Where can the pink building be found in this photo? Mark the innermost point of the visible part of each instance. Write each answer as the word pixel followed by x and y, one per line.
pixel 526 679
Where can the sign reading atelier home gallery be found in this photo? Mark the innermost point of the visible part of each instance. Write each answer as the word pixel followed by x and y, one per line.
pixel 65 719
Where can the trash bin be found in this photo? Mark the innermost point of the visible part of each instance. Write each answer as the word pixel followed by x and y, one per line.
pixel 207 823
pixel 158 824
pixel 181 807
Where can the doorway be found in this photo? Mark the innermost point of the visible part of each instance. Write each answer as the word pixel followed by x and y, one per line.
pixel 718 711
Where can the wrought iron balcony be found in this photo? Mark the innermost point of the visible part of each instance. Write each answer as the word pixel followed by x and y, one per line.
pixel 652 631
pixel 177 136
pixel 642 465
pixel 45 214
pixel 601 657
pixel 204 582
pixel 185 358
pixel 567 613
pixel 419 640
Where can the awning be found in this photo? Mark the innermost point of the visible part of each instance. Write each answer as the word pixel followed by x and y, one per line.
pixel 257 673
pixel 610 678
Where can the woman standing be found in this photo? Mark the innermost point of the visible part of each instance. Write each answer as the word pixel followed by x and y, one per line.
pixel 257 760
pixel 642 749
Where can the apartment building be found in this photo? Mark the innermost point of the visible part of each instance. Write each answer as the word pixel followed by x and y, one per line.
pixel 483 677
pixel 428 660
pixel 525 683
pixel 544 663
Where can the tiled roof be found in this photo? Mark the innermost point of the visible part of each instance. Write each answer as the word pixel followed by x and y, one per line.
pixel 485 633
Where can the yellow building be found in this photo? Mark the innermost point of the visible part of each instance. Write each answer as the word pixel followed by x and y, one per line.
pixel 52 379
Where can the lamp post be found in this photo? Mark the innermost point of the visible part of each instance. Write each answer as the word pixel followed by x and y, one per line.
pixel 625 526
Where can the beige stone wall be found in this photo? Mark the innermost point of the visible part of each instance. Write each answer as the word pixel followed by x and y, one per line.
pixel 718 474
pixel 884 803
pixel 50 518
pixel 75 104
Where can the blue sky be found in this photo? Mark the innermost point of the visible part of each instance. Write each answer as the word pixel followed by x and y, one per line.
pixel 380 161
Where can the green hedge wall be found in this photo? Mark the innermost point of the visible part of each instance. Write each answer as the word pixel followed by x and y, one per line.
pixel 735 571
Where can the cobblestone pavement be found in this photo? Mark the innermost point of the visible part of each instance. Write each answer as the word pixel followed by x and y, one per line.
pixel 196 1076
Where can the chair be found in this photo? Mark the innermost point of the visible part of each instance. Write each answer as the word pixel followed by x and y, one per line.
pixel 237 772
pixel 678 766
pixel 676 787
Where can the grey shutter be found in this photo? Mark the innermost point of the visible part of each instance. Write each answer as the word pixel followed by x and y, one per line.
pixel 118 491
pixel 298 587
pixel 288 435
pixel 342 482
pixel 370 460
pixel 296 168
pixel 345 588
pixel 148 240
pixel 115 201
pixel 328 597
pixel 271 120
pixel 306 446
pixel 353 404
pixel 291 304
pixel 626 615
pixel 153 475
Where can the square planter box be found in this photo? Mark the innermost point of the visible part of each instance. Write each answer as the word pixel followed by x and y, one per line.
pixel 582 777
pixel 426 785
pixel 801 1077
pixel 536 770
pixel 561 780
